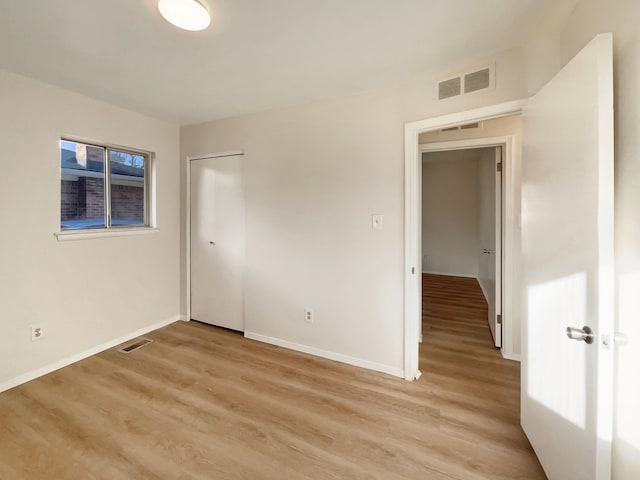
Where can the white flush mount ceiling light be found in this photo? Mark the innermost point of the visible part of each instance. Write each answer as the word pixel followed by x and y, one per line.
pixel 189 15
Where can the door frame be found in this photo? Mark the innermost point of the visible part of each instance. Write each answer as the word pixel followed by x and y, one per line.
pixel 507 145
pixel 189 159
pixel 413 220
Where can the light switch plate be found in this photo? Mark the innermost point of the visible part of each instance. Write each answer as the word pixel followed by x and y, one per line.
pixel 376 222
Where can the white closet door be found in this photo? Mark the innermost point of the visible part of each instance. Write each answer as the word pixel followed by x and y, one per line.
pixel 218 241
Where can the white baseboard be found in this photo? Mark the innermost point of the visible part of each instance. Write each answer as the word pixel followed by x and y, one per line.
pixel 511 356
pixel 450 274
pixel 39 372
pixel 338 357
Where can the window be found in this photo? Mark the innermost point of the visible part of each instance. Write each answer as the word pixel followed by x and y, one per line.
pixel 103 187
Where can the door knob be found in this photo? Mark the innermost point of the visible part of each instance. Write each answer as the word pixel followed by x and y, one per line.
pixel 584 333
pixel 486 250
pixel 211 242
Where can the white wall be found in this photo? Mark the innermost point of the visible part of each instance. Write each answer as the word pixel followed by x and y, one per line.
pixel 314 176
pixel 84 292
pixel 450 213
pixel 589 18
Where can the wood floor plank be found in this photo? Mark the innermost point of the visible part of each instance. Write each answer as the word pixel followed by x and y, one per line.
pixel 206 403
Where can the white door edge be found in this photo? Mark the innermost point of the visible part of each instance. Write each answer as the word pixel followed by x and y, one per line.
pixel 501 153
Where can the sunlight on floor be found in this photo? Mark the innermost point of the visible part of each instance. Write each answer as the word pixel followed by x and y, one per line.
pixel 557 367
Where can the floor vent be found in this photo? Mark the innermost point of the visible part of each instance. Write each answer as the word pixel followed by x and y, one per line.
pixel 132 347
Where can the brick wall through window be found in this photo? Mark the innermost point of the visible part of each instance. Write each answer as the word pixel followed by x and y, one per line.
pixel 83 199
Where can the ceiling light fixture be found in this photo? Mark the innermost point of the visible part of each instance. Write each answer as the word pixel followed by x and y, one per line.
pixel 189 15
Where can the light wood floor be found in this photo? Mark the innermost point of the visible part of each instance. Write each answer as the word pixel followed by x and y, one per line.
pixel 205 403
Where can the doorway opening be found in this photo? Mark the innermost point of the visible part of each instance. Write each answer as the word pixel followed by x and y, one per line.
pixel 448 133
pixel 462 234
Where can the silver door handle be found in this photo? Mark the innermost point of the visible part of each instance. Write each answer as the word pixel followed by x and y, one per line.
pixel 584 333
pixel 211 242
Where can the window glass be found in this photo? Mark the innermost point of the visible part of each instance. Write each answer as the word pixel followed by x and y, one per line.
pixel 82 186
pixel 96 193
pixel 127 188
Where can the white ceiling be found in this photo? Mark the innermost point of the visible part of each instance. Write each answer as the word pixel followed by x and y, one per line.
pixel 258 54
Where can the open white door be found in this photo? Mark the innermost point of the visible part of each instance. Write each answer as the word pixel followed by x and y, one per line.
pixel 217 217
pixel 490 265
pixel 567 241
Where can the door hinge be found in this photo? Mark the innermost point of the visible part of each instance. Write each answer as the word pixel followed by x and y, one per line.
pixel 499 319
pixel 499 167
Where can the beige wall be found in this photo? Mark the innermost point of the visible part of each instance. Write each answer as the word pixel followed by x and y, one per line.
pixel 85 292
pixel 314 176
pixel 450 213
pixel 589 18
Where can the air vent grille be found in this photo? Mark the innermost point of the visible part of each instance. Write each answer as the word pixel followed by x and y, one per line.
pixel 467 82
pixel 467 126
pixel 135 345
pixel 449 88
pixel 477 80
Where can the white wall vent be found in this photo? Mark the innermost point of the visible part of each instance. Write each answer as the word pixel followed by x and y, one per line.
pixel 475 80
pixel 467 126
pixel 449 88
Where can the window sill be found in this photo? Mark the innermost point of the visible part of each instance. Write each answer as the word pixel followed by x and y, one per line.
pixel 102 233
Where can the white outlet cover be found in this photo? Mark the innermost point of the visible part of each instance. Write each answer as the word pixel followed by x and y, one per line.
pixel 376 221
pixel 37 332
pixel 308 315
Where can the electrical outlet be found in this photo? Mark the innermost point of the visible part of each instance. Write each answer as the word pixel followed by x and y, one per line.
pixel 308 315
pixel 37 332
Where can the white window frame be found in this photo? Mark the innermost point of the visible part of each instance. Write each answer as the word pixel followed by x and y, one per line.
pixel 110 230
